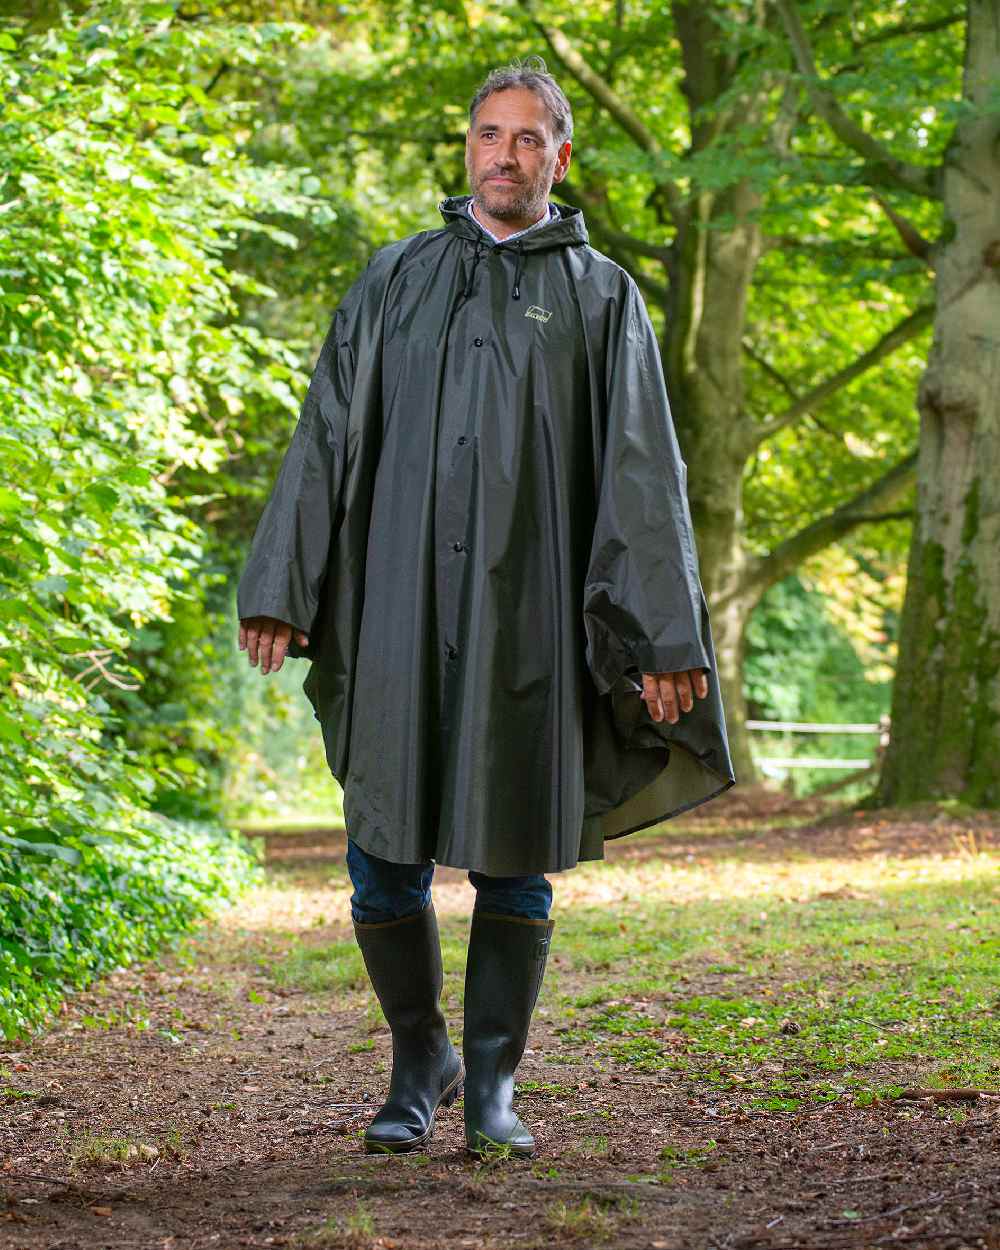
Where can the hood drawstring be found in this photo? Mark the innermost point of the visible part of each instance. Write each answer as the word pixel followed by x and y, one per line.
pixel 472 270
pixel 518 264
pixel 517 248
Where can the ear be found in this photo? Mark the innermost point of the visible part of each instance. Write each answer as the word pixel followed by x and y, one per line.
pixel 562 162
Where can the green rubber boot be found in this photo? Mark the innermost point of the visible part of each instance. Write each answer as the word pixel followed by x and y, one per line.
pixel 507 956
pixel 403 958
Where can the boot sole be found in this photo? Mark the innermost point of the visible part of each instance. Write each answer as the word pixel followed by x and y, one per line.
pixel 448 1096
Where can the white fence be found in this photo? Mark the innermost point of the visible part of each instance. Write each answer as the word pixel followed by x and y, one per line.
pixel 775 766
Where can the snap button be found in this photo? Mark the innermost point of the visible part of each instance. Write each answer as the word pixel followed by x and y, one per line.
pixel 462 439
pixel 458 546
pixel 452 651
pixel 478 342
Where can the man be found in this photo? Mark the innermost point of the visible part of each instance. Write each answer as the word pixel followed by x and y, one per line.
pixel 480 536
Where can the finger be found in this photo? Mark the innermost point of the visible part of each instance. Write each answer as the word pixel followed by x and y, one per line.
pixel 279 649
pixel 253 638
pixel 243 636
pixel 301 638
pixel 668 697
pixel 700 683
pixel 266 644
pixel 682 681
pixel 651 695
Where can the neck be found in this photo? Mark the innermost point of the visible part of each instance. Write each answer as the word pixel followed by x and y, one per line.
pixel 504 228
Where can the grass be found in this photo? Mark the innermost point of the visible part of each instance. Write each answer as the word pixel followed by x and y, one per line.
pixel 590 1217
pixel 93 1151
pixel 793 970
pixel 677 1158
pixel 593 1147
pixel 317 969
pixel 779 994
pixel 354 1231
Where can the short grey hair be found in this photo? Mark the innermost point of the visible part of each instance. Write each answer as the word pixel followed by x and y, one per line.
pixel 533 75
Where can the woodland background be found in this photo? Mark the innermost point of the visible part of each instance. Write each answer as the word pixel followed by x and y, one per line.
pixel 809 197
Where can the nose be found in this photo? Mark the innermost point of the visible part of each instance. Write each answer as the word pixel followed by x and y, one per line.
pixel 507 155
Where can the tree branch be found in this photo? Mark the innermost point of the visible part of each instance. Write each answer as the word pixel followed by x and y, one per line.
pixel 876 518
pixel 913 240
pixel 864 249
pixel 901 333
pixel 606 96
pixel 770 370
pixel 862 509
pixel 577 196
pixel 920 180
pixel 902 30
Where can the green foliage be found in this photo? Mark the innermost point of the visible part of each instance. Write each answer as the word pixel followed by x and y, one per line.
pixel 70 912
pixel 277 771
pixel 802 666
pixel 121 359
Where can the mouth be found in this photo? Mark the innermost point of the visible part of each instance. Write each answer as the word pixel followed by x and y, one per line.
pixel 503 181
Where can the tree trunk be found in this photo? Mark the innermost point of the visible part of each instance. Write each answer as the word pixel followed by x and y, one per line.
pixel 713 258
pixel 946 701
pixel 703 357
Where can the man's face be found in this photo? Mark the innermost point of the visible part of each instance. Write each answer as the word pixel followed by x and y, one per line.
pixel 511 156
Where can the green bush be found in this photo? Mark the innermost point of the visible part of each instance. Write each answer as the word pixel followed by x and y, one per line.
pixel 125 359
pixel 68 914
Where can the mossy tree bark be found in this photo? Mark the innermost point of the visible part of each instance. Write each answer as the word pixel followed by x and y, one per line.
pixel 946 704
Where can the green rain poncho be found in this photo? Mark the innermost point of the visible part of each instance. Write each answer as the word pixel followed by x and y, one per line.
pixel 481 523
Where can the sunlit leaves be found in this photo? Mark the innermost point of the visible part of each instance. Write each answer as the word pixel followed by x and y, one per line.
pixel 123 194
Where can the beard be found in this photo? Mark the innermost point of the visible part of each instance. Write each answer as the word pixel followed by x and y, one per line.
pixel 518 202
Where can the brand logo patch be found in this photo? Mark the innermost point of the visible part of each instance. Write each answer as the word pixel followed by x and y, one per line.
pixel 539 314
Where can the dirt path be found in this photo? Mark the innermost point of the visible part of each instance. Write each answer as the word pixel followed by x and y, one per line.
pixel 206 1102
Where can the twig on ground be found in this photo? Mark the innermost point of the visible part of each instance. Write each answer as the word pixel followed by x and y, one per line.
pixel 945 1095
pixel 646 1188
pixel 858 1180
pixel 890 1239
pixel 882 1028
pixel 938 1198
pixel 49 1180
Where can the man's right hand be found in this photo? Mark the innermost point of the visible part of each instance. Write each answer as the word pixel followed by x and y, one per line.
pixel 268 638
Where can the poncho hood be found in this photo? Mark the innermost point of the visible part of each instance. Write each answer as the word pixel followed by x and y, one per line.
pixel 568 231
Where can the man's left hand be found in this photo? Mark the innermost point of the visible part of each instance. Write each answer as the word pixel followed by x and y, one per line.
pixel 668 694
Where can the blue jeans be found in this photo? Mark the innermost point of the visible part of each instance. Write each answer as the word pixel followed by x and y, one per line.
pixel 385 891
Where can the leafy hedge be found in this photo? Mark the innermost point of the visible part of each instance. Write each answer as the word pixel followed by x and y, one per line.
pixel 72 913
pixel 125 358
